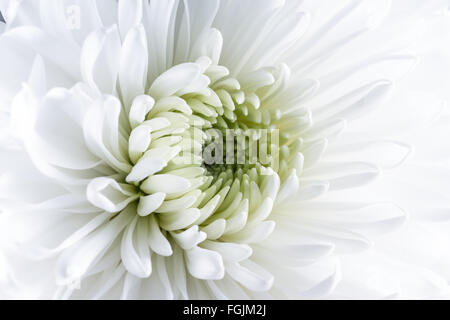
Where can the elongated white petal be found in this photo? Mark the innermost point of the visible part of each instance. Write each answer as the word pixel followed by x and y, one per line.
pixel 253 234
pixel 180 219
pixel 204 264
pixel 107 194
pixel 189 238
pixel 180 203
pixel 61 142
pixel 148 204
pixel 174 79
pixel 133 64
pixel 130 15
pixel 231 252
pixel 251 276
pixel 139 109
pixel 157 240
pixel 165 183
pixel 136 259
pixel 144 168
pixel 100 59
pixel 75 262
pixel 215 229
pixel 289 187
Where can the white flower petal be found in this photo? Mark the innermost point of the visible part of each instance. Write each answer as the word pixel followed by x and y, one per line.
pixel 189 238
pixel 230 252
pixel 312 189
pixel 107 194
pixel 144 168
pixel 166 183
pixel 133 65
pixel 157 240
pixel 179 220
pixel 215 229
pixel 204 264
pixel 45 45
pixel 174 79
pixel 62 140
pixel 130 15
pixel 139 109
pixel 100 59
pixel 324 287
pixel 72 264
pixel 180 203
pixel 289 187
pixel 148 204
pixel 136 253
pixel 253 234
pixel 250 275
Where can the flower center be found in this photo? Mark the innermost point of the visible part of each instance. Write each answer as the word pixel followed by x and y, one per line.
pixel 208 155
pixel 210 148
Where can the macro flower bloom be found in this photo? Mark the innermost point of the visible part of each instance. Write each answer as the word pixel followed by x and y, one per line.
pixel 110 108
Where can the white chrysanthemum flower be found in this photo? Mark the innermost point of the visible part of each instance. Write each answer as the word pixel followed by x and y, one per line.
pixel 107 110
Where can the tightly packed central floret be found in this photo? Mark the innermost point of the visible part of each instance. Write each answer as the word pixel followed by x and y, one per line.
pixel 206 161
